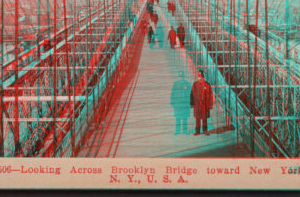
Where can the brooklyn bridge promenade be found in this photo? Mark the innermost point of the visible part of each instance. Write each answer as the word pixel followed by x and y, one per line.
pixel 141 122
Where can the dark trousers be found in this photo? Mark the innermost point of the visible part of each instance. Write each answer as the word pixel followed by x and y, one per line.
pixel 150 38
pixel 198 124
pixel 178 124
pixel 173 12
pixel 181 38
pixel 172 43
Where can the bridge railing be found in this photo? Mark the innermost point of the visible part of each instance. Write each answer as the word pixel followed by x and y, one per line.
pixel 240 114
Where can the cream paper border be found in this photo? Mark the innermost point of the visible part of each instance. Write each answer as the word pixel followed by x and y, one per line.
pixel 201 180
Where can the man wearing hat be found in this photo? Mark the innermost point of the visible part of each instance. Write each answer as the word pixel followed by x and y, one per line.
pixel 180 102
pixel 201 99
pixel 181 35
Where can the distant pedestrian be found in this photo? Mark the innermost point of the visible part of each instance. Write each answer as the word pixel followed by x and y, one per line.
pixel 160 36
pixel 144 25
pixel 151 3
pixel 201 99
pixel 155 18
pixel 169 6
pixel 181 34
pixel 173 8
pixel 172 37
pixel 150 34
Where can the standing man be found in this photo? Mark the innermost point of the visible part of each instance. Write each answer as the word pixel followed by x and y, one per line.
pixel 202 100
pixel 180 102
pixel 172 37
pixel 181 35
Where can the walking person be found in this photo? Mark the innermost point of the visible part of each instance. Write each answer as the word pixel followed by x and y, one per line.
pixel 169 6
pixel 155 18
pixel 151 37
pixel 172 37
pixel 150 34
pixel 173 8
pixel 201 99
pixel 181 35
pixel 180 102
pixel 151 6
pixel 160 36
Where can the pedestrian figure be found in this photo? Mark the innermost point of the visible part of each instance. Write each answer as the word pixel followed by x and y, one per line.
pixel 181 34
pixel 172 37
pixel 157 1
pixel 155 18
pixel 151 38
pixel 144 25
pixel 150 34
pixel 201 99
pixel 169 6
pixel 160 36
pixel 180 102
pixel 149 6
pixel 151 3
pixel 173 8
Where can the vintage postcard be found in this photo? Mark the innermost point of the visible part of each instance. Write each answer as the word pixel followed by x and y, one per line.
pixel 199 94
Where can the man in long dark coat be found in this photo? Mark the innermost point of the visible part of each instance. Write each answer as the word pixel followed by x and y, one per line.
pixel 172 37
pixel 201 99
pixel 180 102
pixel 181 34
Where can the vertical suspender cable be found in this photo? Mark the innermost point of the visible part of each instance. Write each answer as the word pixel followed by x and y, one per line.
pixel 289 93
pixel 253 110
pixel 269 126
pixel 73 6
pixel 39 105
pixel 16 109
pixel 55 78
pixel 249 80
pixel 86 63
pixel 68 70
pixel 1 83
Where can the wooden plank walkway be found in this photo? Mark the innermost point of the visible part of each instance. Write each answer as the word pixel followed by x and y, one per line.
pixel 142 122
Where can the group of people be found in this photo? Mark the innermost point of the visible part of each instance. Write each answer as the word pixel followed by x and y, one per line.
pixel 172 33
pixel 172 36
pixel 171 7
pixel 199 96
pixel 151 12
pixel 150 4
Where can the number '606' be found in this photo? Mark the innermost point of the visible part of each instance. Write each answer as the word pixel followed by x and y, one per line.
pixel 5 169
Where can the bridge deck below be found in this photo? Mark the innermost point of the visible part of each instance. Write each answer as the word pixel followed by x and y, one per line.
pixel 141 121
